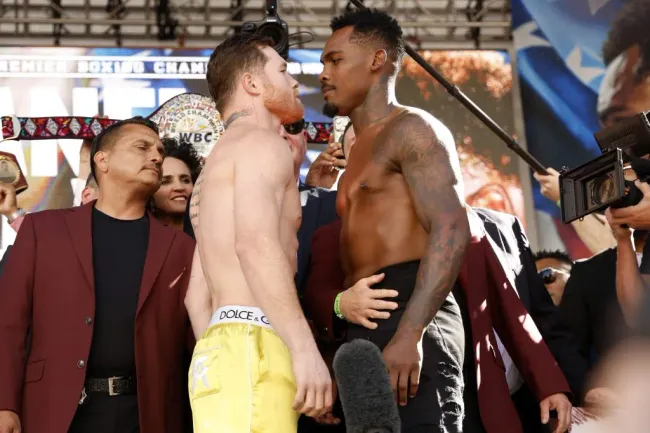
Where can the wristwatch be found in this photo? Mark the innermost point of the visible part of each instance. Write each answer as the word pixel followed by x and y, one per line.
pixel 17 214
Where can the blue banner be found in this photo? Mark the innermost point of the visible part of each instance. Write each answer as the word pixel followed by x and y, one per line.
pixel 562 69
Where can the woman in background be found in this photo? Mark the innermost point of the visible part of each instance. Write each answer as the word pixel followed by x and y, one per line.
pixel 180 169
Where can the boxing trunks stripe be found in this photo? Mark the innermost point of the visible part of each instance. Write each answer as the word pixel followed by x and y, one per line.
pixel 241 377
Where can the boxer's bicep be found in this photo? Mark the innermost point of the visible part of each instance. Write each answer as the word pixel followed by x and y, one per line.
pixel 430 168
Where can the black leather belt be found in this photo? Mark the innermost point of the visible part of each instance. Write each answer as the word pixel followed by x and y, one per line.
pixel 113 385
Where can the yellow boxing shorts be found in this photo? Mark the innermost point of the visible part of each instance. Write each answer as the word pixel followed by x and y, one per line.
pixel 241 377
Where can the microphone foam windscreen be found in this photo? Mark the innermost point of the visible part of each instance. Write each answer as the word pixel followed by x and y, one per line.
pixel 364 388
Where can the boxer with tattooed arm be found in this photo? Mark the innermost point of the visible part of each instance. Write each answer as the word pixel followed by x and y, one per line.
pixel 402 212
pixel 257 364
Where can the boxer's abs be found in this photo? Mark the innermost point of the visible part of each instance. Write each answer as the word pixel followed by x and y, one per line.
pixel 376 234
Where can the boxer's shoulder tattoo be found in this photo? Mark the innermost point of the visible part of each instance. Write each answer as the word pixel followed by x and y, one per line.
pixel 195 202
pixel 425 156
pixel 236 115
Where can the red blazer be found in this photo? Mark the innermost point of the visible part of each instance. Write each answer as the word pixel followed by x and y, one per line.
pixel 492 304
pixel 48 287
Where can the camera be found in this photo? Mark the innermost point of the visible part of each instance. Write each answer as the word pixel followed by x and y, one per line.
pixel 600 183
pixel 272 27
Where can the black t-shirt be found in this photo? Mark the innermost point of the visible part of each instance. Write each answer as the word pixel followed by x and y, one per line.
pixel 119 251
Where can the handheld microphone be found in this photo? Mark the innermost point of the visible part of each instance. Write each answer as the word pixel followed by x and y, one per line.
pixel 368 401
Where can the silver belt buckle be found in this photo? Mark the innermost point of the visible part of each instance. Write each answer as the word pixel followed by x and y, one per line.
pixel 111 381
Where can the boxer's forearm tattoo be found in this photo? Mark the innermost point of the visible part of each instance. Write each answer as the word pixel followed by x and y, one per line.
pixel 427 167
pixel 236 115
pixel 195 202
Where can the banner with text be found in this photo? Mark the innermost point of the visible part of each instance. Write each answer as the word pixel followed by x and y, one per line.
pixel 120 83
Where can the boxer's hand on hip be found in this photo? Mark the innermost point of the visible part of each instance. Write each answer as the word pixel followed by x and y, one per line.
pixel 360 303
pixel 313 383
pixel 9 422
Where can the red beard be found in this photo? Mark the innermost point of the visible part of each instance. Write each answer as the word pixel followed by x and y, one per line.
pixel 283 104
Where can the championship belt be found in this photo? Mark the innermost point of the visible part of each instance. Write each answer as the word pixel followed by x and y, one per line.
pixel 190 117
pixel 10 172
pixel 48 128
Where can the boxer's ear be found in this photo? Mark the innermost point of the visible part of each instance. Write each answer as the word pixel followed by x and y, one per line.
pixel 379 60
pixel 251 84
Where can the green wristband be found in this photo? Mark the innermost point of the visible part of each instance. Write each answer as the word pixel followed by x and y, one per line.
pixel 337 306
pixel 559 203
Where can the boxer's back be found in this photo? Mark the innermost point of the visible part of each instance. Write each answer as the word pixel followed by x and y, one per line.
pixel 213 214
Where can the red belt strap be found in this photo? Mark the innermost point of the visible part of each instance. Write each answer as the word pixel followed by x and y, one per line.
pixel 47 128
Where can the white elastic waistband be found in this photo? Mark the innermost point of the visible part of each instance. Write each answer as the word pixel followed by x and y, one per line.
pixel 240 314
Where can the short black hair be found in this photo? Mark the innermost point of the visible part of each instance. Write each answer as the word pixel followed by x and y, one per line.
pixel 374 27
pixel 629 28
pixel 106 139
pixel 184 151
pixel 558 255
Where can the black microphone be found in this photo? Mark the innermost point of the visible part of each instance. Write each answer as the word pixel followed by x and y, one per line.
pixel 368 401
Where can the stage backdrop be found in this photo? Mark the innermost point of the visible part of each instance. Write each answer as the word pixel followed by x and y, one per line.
pixel 562 50
pixel 121 83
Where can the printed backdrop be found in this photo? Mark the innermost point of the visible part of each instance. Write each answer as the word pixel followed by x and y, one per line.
pixel 559 48
pixel 121 83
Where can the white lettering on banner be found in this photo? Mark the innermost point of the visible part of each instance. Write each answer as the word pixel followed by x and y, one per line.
pixel 191 68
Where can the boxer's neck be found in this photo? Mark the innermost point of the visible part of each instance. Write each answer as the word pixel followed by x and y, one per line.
pixel 379 104
pixel 251 113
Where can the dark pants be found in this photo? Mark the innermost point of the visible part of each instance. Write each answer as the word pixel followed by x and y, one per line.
pixel 102 413
pixel 438 405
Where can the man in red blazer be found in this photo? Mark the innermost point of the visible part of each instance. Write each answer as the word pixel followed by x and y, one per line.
pixel 492 304
pixel 99 289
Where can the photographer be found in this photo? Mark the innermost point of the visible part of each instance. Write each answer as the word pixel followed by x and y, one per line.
pixel 591 229
pixel 632 270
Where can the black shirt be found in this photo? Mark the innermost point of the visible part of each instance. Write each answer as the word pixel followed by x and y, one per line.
pixel 119 251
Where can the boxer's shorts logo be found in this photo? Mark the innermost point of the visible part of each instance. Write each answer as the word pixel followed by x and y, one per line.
pixel 242 315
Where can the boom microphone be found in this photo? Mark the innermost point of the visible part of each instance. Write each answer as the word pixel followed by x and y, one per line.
pixel 368 401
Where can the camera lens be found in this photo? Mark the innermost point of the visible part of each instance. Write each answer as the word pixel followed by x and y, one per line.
pixel 603 189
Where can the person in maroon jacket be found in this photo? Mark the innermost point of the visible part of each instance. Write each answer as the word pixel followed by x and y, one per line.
pixel 100 291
